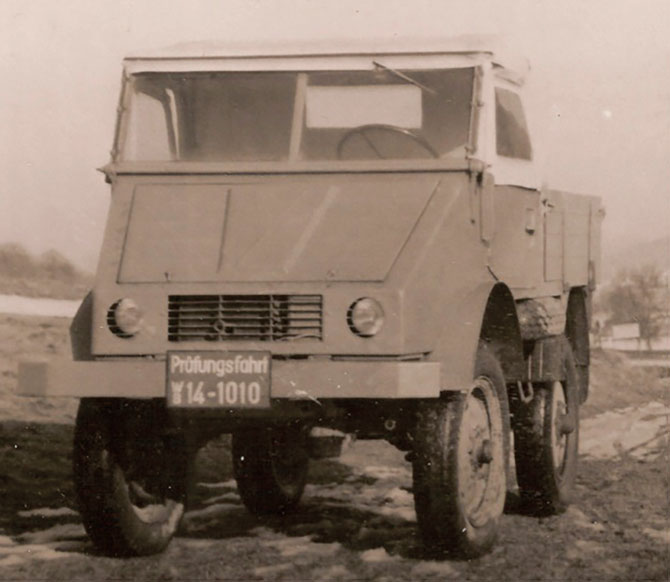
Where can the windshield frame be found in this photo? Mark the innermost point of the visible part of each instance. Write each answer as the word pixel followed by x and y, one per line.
pixel 293 163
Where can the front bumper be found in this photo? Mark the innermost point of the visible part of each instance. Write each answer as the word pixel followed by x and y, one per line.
pixel 296 380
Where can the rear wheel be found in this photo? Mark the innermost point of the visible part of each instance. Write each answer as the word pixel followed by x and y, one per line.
pixel 129 475
pixel 546 440
pixel 460 464
pixel 270 466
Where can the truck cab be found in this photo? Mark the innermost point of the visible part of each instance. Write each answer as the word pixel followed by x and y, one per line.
pixel 349 238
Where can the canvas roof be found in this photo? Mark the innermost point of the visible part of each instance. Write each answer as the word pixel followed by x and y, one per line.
pixel 331 55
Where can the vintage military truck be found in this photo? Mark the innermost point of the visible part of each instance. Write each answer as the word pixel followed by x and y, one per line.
pixel 352 239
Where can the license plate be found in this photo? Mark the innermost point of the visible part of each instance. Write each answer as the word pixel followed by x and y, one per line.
pixel 218 379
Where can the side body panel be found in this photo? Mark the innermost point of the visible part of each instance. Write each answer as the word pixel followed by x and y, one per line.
pixel 516 250
pixel 572 238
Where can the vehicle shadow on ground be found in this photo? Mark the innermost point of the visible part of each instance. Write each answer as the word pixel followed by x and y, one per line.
pixel 323 522
pixel 516 505
pixel 324 514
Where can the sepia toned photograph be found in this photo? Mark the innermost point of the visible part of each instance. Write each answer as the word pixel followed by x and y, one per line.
pixel 313 290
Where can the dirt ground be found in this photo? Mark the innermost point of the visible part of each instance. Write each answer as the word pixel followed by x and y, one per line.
pixel 356 521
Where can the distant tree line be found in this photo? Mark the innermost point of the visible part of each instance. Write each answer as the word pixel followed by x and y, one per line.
pixel 16 261
pixel 47 275
pixel 638 295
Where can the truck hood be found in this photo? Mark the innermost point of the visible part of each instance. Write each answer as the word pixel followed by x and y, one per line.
pixel 344 230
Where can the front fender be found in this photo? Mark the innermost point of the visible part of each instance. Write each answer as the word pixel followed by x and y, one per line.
pixel 486 313
pixel 81 330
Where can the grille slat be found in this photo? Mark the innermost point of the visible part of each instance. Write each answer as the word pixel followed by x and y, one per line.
pixel 240 317
pixel 247 312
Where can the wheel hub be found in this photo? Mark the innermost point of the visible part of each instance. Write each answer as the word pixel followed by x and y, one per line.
pixel 485 454
pixel 479 455
pixel 566 424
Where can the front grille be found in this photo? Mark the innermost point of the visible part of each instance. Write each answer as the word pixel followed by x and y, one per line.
pixel 244 317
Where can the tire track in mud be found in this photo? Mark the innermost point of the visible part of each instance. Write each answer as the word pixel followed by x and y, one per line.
pixel 629 431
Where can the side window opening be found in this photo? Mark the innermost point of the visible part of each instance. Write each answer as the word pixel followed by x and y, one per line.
pixel 512 138
pixel 148 137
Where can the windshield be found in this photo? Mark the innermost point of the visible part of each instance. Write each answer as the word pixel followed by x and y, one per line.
pixel 293 116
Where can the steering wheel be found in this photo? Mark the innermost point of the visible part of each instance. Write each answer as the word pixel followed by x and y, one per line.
pixel 363 130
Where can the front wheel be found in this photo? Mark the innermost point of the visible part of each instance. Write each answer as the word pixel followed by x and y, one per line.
pixel 270 466
pixel 460 464
pixel 129 475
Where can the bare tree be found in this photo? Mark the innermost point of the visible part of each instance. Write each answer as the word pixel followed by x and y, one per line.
pixel 639 296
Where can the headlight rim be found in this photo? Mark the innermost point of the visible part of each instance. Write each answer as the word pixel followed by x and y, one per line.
pixel 379 320
pixel 124 330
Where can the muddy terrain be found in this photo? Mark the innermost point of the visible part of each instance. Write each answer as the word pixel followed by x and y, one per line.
pixel 356 521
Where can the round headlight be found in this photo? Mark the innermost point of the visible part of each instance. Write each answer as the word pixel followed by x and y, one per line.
pixel 125 318
pixel 365 317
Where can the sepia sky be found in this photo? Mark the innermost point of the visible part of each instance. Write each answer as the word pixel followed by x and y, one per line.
pixel 600 86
